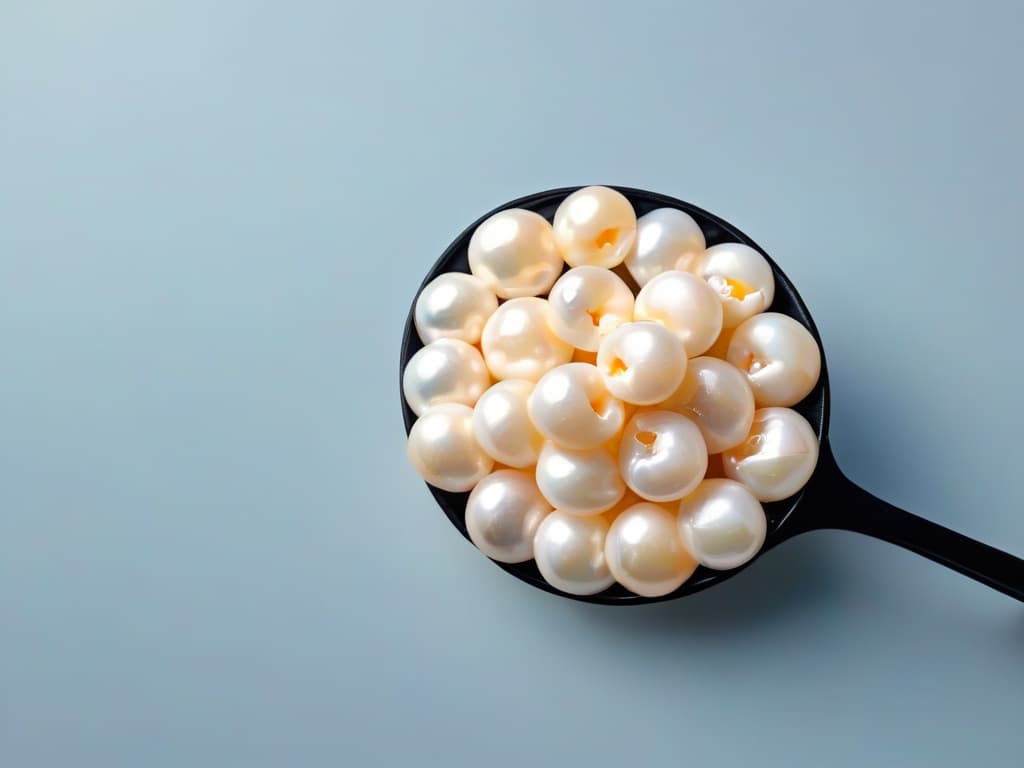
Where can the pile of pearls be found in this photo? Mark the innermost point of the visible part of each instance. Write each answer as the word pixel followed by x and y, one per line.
pixel 613 394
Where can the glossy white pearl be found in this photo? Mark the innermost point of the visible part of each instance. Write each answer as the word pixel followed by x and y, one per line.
pixel 514 253
pixel 780 357
pixel 503 513
pixel 743 279
pixel 587 303
pixel 595 225
pixel 666 239
pixel 684 304
pixel 642 363
pixel 571 406
pixel 644 552
pixel 502 425
pixel 722 525
pixel 453 306
pixel 569 550
pixel 444 371
pixel 777 458
pixel 443 449
pixel 717 397
pixel 579 482
pixel 662 456
pixel 518 341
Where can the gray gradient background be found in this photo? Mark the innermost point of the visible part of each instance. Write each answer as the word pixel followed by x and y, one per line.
pixel 213 217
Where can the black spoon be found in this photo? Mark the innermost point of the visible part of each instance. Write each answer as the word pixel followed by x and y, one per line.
pixel 830 499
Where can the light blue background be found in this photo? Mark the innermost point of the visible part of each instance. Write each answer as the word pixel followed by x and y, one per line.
pixel 213 217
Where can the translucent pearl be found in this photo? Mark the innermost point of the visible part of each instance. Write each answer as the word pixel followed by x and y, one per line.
pixel 722 525
pixel 453 306
pixel 503 513
pixel 443 449
pixel 662 456
pixel 780 357
pixel 666 239
pixel 743 279
pixel 514 253
pixel 644 552
pixel 579 482
pixel 595 225
pixel 444 371
pixel 684 304
pixel 518 342
pixel 587 303
pixel 502 425
pixel 777 458
pixel 571 406
pixel 642 363
pixel 717 397
pixel 569 550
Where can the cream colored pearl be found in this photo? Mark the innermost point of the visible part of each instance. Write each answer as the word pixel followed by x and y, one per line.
pixel 595 225
pixel 717 397
pixel 514 253
pixel 502 425
pixel 642 363
pixel 684 304
pixel 503 513
pixel 743 279
pixel 780 357
pixel 777 458
pixel 444 371
pixel 666 239
pixel 644 552
pixel 579 482
pixel 662 456
pixel 587 303
pixel 518 342
pixel 571 406
pixel 444 451
pixel 721 524
pixel 569 550
pixel 453 306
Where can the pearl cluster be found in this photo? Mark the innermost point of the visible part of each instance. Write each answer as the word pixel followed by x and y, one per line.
pixel 610 436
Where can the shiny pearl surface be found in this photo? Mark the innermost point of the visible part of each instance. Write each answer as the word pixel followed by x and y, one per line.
pixel 780 357
pixel 503 513
pixel 453 306
pixel 571 406
pixel 644 552
pixel 502 425
pixel 721 524
pixel 587 303
pixel 579 482
pixel 662 456
pixel 514 254
pixel 569 550
pixel 444 451
pixel 717 397
pixel 666 239
pixel 444 371
pixel 642 363
pixel 684 304
pixel 741 277
pixel 518 341
pixel 777 458
pixel 595 225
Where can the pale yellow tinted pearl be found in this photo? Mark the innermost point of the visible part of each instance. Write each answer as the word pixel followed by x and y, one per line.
pixel 571 406
pixel 717 397
pixel 662 456
pixel 501 422
pixel 587 303
pixel 569 550
pixel 644 552
pixel 453 305
pixel 721 524
pixel 642 363
pixel 777 458
pixel 503 513
pixel 514 253
pixel 580 482
pixel 741 277
pixel 595 225
pixel 684 304
pixel 666 239
pixel 443 449
pixel 518 341
pixel 780 357
pixel 444 371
